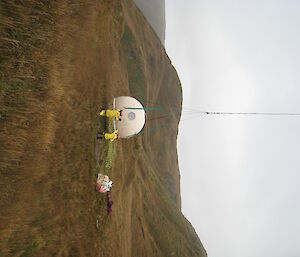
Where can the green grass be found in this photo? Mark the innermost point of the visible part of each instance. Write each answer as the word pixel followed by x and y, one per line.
pixel 137 146
pixel 111 156
pixel 33 247
pixel 111 149
pixel 108 154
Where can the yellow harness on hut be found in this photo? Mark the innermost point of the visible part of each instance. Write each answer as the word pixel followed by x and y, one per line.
pixel 112 136
pixel 111 113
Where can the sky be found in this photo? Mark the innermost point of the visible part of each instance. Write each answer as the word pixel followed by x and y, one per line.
pixel 240 175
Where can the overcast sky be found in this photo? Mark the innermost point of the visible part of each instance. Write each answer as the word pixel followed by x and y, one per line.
pixel 240 175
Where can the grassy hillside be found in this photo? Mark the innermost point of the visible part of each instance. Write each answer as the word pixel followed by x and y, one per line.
pixel 154 11
pixel 60 62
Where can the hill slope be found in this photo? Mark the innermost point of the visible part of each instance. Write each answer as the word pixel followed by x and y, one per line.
pixel 60 62
pixel 154 11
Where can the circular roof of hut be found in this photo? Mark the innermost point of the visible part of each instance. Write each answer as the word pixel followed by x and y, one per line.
pixel 133 116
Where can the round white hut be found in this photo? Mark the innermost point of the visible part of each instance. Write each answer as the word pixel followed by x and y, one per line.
pixel 133 116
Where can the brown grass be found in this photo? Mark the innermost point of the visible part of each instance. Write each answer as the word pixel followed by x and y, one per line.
pixel 60 62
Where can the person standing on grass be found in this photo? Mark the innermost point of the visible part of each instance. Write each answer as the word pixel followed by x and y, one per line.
pixel 111 114
pixel 109 136
pixel 109 203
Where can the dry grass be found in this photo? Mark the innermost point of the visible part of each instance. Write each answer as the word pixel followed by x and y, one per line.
pixel 60 62
pixel 50 91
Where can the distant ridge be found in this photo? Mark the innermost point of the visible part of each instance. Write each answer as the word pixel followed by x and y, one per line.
pixel 154 11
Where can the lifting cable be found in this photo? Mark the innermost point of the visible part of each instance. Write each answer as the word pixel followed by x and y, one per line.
pixel 196 114
pixel 254 113
pixel 188 113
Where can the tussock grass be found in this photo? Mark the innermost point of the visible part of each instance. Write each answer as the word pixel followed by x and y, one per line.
pixel 25 38
pixel 46 140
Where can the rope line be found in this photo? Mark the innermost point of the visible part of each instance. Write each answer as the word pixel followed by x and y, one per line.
pixel 254 113
pixel 201 114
